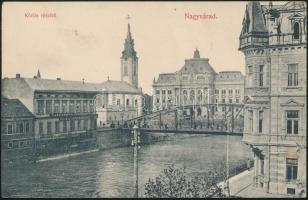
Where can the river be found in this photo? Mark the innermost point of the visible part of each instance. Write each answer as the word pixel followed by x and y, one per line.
pixel 109 173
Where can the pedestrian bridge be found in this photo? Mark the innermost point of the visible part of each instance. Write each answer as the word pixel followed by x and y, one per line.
pixel 193 118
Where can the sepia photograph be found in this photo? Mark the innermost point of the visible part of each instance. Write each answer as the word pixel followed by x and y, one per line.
pixel 154 99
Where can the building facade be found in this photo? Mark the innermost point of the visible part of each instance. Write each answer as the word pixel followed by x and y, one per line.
pixel 17 132
pixel 197 83
pixel 273 40
pixel 63 110
pixel 117 102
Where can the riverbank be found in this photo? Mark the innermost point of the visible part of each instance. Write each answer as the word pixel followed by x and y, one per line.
pixel 66 155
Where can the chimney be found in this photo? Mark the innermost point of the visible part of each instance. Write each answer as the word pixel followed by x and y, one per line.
pixel 17 75
pixel 58 78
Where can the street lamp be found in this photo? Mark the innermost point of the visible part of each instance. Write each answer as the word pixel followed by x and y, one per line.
pixel 135 142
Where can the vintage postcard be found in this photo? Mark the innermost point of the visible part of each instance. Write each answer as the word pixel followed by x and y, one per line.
pixel 140 99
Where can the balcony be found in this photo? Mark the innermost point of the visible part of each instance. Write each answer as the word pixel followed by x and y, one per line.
pixel 286 39
pixel 263 139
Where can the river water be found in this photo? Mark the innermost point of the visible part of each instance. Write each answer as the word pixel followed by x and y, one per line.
pixel 109 173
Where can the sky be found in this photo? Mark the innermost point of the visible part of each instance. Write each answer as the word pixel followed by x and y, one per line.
pixel 85 39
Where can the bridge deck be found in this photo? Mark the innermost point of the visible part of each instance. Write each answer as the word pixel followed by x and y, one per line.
pixel 180 131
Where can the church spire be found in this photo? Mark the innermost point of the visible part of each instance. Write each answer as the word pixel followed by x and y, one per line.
pixel 129 50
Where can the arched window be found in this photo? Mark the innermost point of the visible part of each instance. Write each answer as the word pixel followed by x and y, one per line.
pixel 199 111
pixel 296 30
pixel 185 96
pixel 192 96
pixel 127 102
pixel 200 96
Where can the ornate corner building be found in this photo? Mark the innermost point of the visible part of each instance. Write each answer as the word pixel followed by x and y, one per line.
pixel 273 40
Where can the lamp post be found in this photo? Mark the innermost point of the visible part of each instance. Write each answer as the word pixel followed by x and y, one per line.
pixel 135 142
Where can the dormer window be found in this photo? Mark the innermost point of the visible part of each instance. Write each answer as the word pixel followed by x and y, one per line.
pixel 296 31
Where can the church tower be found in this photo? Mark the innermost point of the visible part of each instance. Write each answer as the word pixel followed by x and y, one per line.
pixel 129 61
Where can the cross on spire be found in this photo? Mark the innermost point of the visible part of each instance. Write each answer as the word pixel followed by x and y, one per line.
pixel 128 18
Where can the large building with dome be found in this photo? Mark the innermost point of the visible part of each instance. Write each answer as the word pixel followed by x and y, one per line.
pixel 197 83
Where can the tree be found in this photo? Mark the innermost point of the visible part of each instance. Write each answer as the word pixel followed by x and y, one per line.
pixel 174 183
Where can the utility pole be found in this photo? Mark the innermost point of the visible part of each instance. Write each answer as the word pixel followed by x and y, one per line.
pixel 232 122
pixel 136 141
pixel 176 119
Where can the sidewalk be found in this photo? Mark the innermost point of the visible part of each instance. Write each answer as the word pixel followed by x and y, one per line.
pixel 241 186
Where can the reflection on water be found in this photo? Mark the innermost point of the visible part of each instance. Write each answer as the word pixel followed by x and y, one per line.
pixel 109 173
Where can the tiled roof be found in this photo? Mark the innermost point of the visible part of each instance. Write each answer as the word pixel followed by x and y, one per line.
pixel 166 77
pixel 117 86
pixel 197 66
pixel 60 85
pixel 13 108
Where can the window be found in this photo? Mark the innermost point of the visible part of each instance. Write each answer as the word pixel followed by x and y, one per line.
pixel 40 107
pixel 223 109
pixel 91 106
pixel 262 165
pixel 21 144
pixel 79 124
pixel 64 106
pixel 157 91
pixel 230 100
pixel 169 91
pixel 261 68
pixel 48 107
pixel 85 124
pixel 118 102
pixel 237 91
pixel 237 100
pixel 223 91
pixel 127 102
pixel 291 169
pixel 290 191
pixel 57 106
pixel 72 106
pixel 157 100
pixel 27 127
pixel 250 119
pixel 20 127
pixel 250 76
pixel 48 127
pixel 72 125
pixel 296 30
pixel 163 91
pixel 216 100
pixel 41 128
pixel 64 128
pixel 125 70
pixel 57 127
pixel 85 106
pixel 9 129
pixel 136 102
pixel 260 121
pixel 10 145
pixel 230 91
pixel 292 122
pixel 223 101
pixel 292 75
pixel 216 91
pixel 78 107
